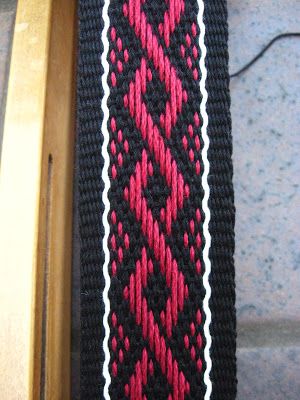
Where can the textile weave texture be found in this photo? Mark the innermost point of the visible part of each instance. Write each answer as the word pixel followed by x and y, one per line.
pixel 153 122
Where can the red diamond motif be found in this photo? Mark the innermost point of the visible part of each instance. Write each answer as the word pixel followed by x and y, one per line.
pixel 134 194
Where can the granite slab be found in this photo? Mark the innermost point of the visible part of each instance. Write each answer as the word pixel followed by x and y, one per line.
pixel 266 147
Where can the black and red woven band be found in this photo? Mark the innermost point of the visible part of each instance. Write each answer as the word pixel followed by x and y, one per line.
pixel 156 201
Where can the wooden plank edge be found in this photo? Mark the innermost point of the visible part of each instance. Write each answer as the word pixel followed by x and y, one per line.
pixel 36 204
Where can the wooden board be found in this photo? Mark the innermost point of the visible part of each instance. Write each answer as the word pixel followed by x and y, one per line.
pixel 36 204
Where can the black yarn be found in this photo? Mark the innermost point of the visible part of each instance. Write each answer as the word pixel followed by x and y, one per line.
pixel 221 203
pixel 262 52
pixel 89 118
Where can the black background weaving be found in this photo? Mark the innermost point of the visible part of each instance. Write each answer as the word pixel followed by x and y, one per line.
pixel 89 118
pixel 221 203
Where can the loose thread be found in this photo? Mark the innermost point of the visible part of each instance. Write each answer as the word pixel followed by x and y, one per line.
pixel 262 52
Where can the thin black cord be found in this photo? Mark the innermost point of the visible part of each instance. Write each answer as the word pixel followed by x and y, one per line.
pixel 261 53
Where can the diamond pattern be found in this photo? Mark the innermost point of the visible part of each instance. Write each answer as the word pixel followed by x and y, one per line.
pixel 155 146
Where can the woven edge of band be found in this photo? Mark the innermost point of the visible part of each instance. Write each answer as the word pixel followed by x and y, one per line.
pixel 205 199
pixel 106 181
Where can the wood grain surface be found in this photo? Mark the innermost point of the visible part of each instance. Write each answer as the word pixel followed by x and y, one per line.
pixel 36 204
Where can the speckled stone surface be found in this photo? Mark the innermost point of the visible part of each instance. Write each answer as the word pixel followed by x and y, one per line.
pixel 269 373
pixel 266 147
